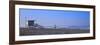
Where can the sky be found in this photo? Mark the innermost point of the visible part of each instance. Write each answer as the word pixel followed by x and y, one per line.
pixel 60 18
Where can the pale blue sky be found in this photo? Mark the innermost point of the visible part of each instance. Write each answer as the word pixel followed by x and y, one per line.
pixel 55 17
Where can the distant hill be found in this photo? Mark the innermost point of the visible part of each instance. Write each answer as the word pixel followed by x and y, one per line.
pixel 79 27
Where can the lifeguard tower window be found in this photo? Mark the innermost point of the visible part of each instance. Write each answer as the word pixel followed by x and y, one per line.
pixel 30 22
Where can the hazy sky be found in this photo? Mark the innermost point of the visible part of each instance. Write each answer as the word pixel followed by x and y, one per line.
pixel 55 17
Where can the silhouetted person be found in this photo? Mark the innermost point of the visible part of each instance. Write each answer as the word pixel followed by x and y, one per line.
pixel 55 26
